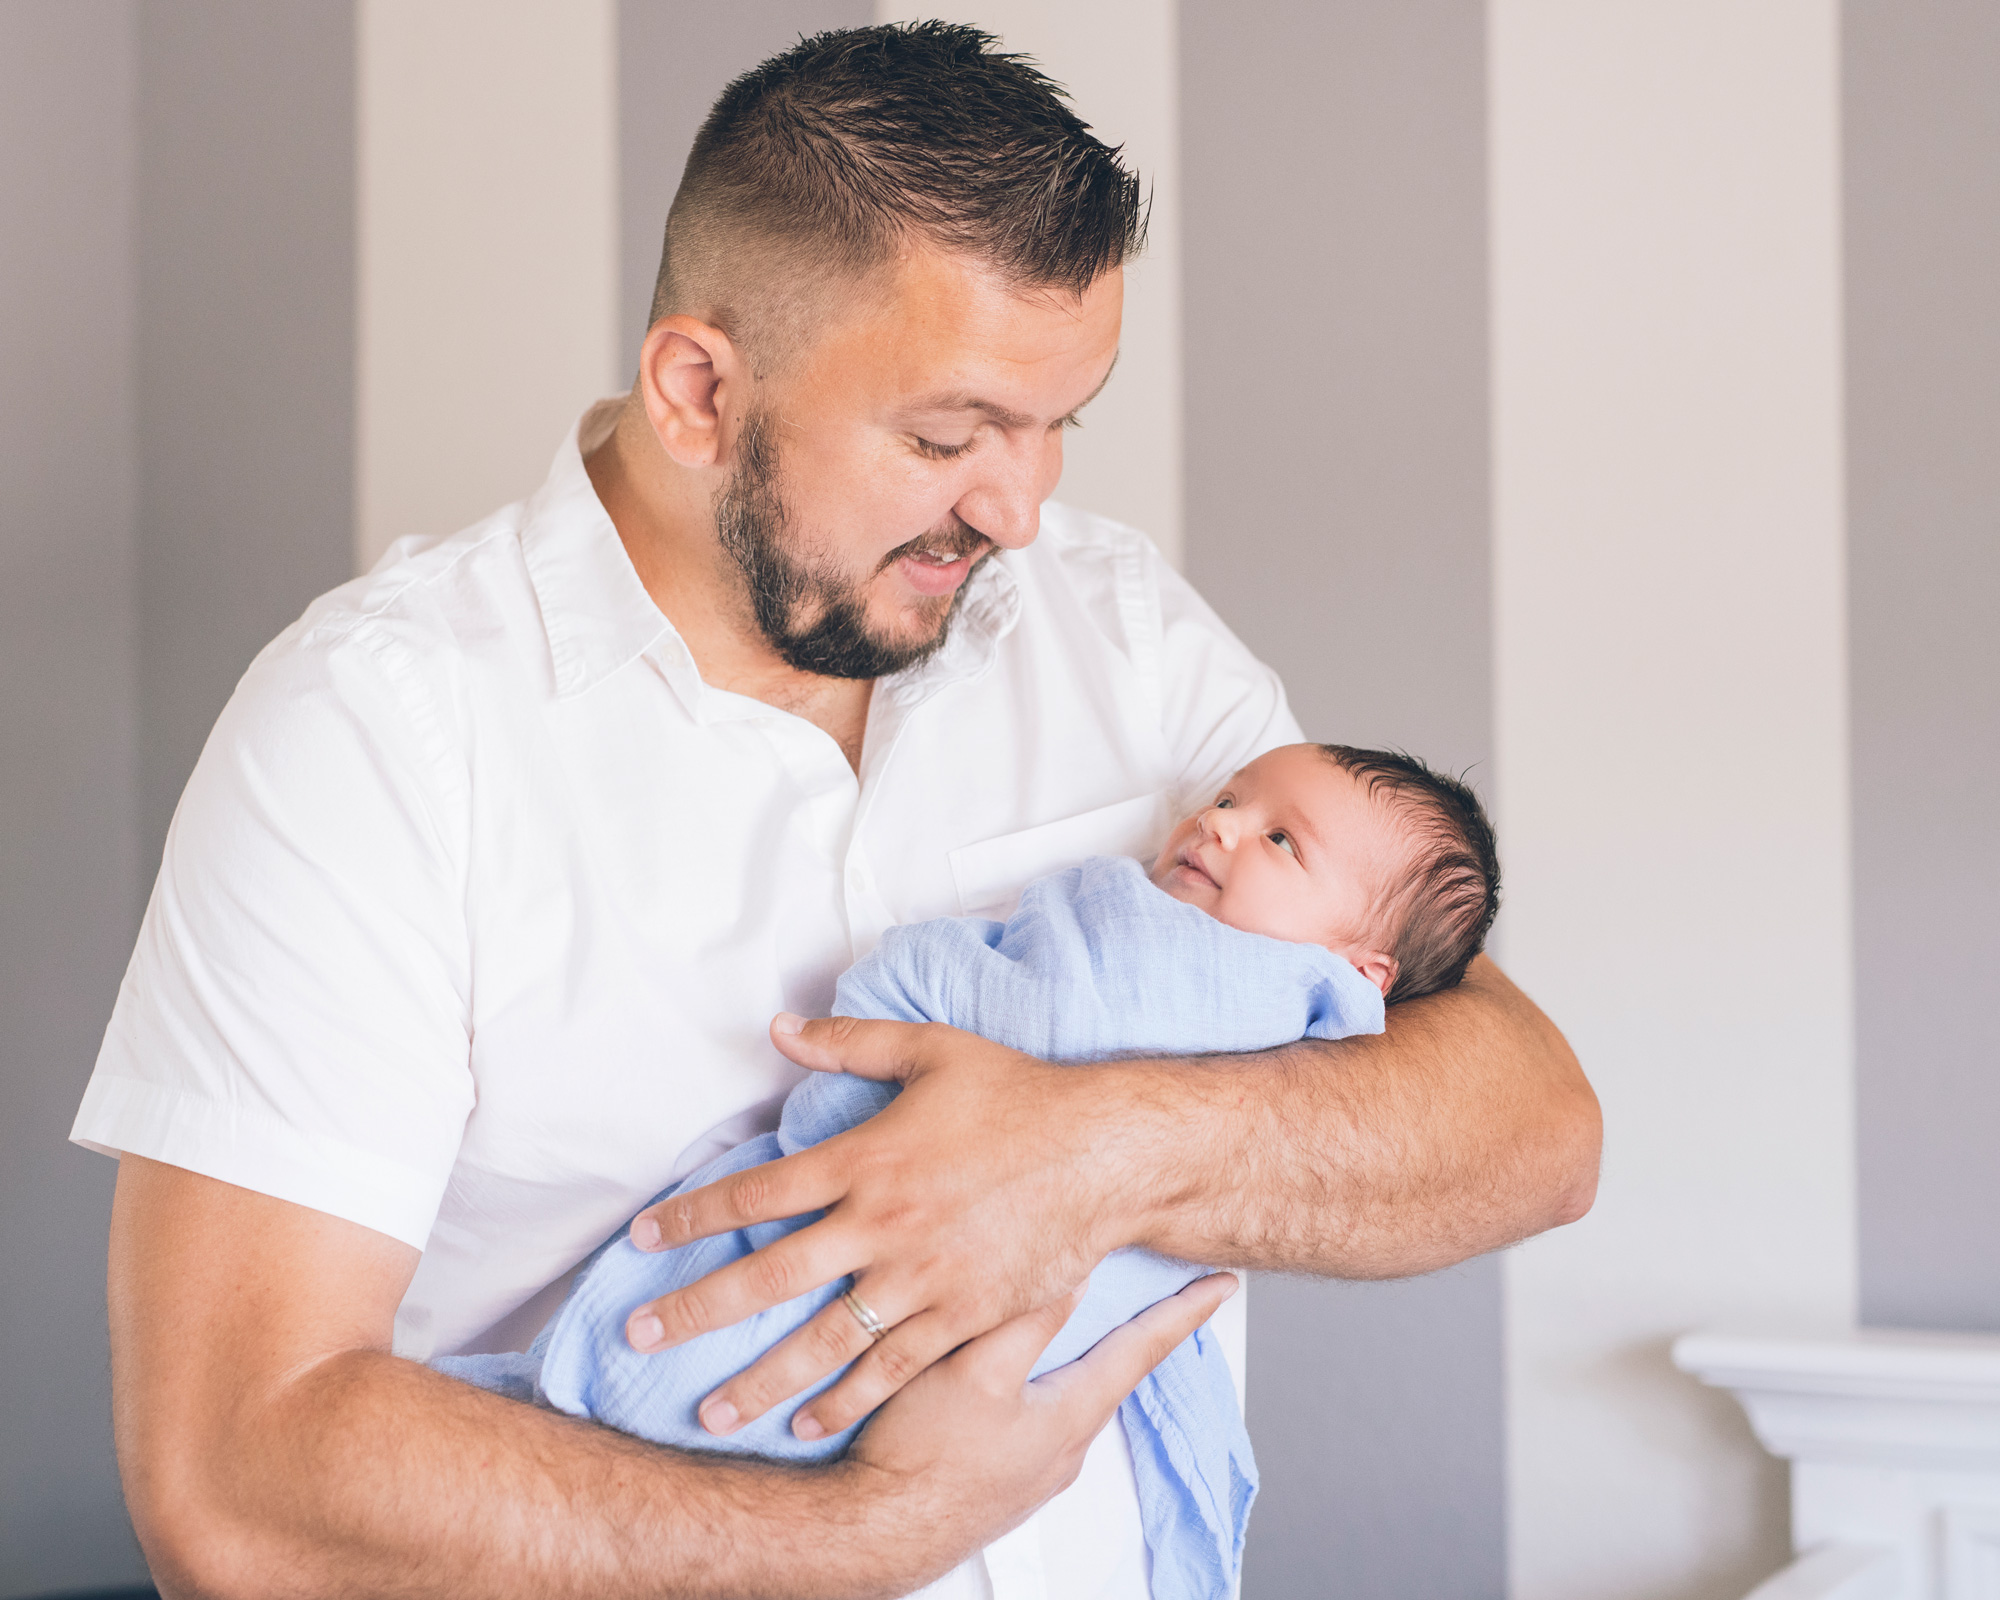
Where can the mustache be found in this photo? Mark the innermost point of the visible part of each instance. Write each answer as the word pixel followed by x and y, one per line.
pixel 958 538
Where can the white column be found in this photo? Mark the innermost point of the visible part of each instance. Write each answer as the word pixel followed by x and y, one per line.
pixel 1119 61
pixel 1671 729
pixel 489 251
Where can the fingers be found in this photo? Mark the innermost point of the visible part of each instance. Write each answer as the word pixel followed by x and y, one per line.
pixel 783 1188
pixel 1114 1365
pixel 892 1052
pixel 1001 1360
pixel 781 1271
pixel 880 1371
pixel 828 1342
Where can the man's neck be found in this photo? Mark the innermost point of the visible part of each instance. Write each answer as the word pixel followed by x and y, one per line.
pixel 669 532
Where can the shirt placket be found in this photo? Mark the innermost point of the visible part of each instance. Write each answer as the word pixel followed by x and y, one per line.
pixel 895 704
pixel 819 771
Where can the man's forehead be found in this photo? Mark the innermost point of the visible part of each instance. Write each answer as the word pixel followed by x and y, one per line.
pixel 935 301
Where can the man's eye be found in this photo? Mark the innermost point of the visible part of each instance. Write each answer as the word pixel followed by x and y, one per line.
pixel 1284 842
pixel 942 452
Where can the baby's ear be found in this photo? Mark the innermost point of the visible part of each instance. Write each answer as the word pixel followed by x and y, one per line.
pixel 1377 968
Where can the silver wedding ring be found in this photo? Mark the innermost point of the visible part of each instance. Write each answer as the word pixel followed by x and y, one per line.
pixel 873 1325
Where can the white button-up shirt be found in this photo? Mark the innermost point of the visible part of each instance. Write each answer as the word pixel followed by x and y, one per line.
pixel 479 902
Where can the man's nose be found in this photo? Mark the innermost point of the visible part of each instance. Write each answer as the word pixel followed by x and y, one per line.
pixel 1006 503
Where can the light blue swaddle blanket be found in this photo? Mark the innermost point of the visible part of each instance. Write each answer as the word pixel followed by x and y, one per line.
pixel 1096 962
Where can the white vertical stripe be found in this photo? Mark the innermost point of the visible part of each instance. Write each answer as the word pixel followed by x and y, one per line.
pixel 489 251
pixel 1120 63
pixel 1671 729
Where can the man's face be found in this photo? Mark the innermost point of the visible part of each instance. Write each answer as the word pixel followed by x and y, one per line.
pixel 920 433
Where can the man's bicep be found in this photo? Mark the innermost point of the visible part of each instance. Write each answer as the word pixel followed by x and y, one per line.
pixel 219 1295
pixel 1506 1097
pixel 221 1300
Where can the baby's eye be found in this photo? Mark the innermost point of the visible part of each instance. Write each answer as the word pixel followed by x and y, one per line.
pixel 1284 842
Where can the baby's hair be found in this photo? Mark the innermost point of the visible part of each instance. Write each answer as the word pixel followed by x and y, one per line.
pixel 1444 903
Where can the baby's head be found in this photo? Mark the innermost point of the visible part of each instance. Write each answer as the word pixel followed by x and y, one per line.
pixel 1365 852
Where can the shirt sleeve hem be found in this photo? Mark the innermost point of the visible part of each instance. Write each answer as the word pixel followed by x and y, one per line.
pixel 253 1150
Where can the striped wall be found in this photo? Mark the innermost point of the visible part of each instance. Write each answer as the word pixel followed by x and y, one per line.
pixel 1336 358
pixel 1923 341
pixel 244 128
pixel 1602 398
pixel 1670 707
pixel 488 251
pixel 69 760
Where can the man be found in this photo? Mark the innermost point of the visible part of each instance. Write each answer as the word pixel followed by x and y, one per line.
pixel 501 859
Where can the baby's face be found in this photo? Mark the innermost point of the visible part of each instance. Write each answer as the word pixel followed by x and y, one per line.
pixel 1294 848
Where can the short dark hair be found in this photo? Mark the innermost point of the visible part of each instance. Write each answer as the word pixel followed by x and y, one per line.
pixel 822 160
pixel 1444 904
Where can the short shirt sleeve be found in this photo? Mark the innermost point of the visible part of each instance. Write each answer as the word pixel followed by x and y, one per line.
pixel 296 1016
pixel 1219 705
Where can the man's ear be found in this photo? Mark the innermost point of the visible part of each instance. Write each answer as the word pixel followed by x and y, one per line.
pixel 1377 968
pixel 686 369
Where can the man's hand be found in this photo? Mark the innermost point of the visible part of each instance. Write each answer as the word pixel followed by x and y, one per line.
pixel 1019 1429
pixel 938 1206
pixel 995 1182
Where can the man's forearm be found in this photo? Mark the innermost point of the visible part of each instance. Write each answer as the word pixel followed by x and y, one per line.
pixel 271 1445
pixel 1466 1126
pixel 370 1474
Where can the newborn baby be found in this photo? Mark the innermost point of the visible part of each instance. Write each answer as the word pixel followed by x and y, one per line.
pixel 1322 882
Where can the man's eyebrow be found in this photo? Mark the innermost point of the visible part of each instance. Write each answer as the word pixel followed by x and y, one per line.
pixel 1109 371
pixel 1006 416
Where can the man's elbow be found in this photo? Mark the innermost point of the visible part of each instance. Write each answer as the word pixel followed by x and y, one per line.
pixel 1581 1151
pixel 195 1549
pixel 1574 1200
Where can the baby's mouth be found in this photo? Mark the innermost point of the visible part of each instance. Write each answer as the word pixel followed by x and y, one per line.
pixel 1188 861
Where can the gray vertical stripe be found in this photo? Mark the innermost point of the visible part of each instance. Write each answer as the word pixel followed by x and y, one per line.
pixel 68 832
pixel 1338 517
pixel 1921 117
pixel 673 59
pixel 246 351
pixel 177 284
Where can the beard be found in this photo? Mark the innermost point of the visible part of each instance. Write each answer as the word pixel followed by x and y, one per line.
pixel 810 611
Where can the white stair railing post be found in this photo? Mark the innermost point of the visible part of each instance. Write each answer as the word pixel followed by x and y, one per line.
pixel 1894 1444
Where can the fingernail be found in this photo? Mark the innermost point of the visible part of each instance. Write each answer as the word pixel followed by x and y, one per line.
pixel 645 1332
pixel 645 1233
pixel 719 1416
pixel 787 1023
pixel 807 1427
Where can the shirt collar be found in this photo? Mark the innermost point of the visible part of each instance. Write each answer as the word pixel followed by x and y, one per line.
pixel 595 610
pixel 987 613
pixel 599 617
